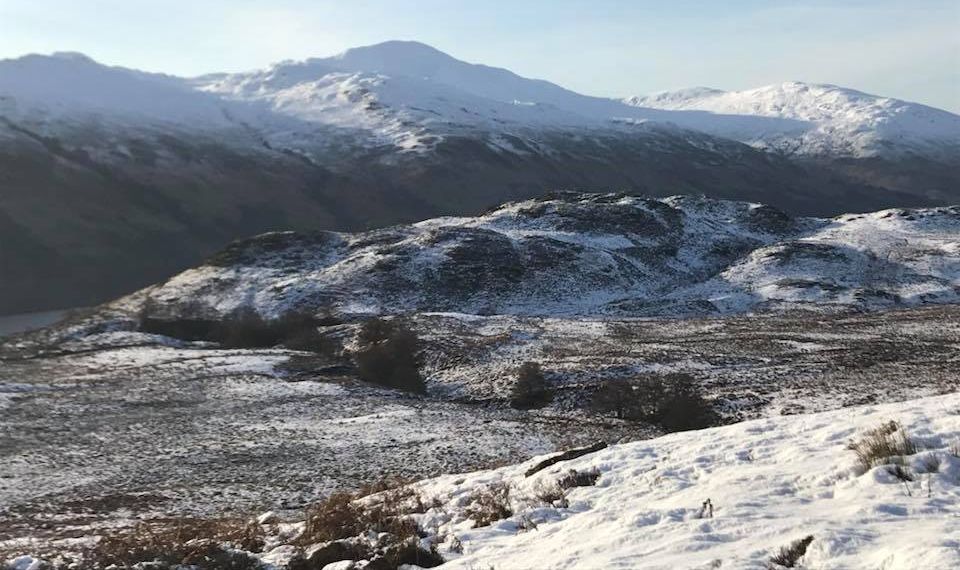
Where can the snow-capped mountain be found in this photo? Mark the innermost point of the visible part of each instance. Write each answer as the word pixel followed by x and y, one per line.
pixel 588 255
pixel 117 177
pixel 74 88
pixel 828 120
pixel 411 94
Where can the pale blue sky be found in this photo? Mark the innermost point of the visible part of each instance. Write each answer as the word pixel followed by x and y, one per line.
pixel 906 49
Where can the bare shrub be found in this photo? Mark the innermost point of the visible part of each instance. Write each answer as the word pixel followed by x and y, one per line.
pixel 405 554
pixel 530 389
pixel 574 478
pixel 336 517
pixel 616 397
pixel 671 401
pixel 789 556
pixel 881 444
pixel 343 516
pixel 388 355
pixel 490 504
pixel 549 493
pixel 198 543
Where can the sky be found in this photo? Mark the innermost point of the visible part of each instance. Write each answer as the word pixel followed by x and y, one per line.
pixel 618 48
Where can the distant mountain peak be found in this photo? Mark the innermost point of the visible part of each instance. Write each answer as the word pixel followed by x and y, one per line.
pixel 840 121
pixel 394 49
pixel 72 56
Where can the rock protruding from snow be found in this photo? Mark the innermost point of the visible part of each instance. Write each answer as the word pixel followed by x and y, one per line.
pixel 589 254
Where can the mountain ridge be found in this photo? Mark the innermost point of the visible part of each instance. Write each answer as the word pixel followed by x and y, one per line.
pixel 163 171
pixel 740 119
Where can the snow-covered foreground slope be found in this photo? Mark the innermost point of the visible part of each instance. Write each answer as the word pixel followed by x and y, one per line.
pixel 587 254
pixel 721 498
pixel 835 120
pixel 771 482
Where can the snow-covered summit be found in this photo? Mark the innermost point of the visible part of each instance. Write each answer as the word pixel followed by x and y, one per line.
pixel 72 87
pixel 414 60
pixel 839 120
pixel 405 93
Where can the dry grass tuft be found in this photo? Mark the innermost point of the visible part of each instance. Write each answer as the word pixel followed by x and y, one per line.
pixel 550 494
pixel 490 504
pixel 382 508
pixel 213 544
pixel 789 556
pixel 881 445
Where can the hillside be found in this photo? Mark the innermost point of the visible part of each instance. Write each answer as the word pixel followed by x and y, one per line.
pixel 793 316
pixel 115 178
pixel 577 254
pixel 729 497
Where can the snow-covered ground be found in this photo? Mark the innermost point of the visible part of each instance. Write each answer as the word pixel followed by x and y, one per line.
pixel 729 497
pixel 770 482
pixel 229 431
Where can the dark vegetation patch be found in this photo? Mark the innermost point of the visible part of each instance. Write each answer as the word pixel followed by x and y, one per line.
pixel 604 218
pixel 555 493
pixel 807 251
pixel 388 354
pixel 530 390
pixel 671 401
pixel 769 219
pixel 203 544
pixel 574 478
pixel 285 247
pixel 246 328
pixel 372 526
pixel 808 284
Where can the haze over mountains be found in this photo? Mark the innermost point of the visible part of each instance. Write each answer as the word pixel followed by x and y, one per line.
pixel 113 178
